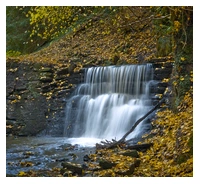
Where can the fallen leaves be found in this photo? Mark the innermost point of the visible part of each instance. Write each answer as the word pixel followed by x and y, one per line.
pixel 101 40
pixel 172 143
pixel 171 153
pixel 112 162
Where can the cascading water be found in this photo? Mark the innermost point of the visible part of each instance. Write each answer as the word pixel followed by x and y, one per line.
pixel 109 102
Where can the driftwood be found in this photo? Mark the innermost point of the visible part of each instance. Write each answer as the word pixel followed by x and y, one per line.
pixel 114 143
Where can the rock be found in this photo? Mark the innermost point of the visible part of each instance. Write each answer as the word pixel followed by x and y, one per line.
pixel 63 92
pixel 84 166
pixel 132 153
pixel 71 68
pixel 46 79
pixel 128 171
pixel 46 74
pixel 163 84
pixel 46 69
pixel 74 168
pixel 137 162
pixel 159 90
pixel 158 60
pixel 74 156
pixel 32 115
pixel 67 173
pixel 86 158
pixel 163 70
pixel 62 71
pixel 104 164
pixel 20 85
pixel 62 159
pixel 33 101
pixel 161 76
pixel 60 77
pixel 47 87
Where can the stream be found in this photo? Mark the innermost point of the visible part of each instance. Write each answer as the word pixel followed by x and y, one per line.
pixel 45 153
pixel 105 106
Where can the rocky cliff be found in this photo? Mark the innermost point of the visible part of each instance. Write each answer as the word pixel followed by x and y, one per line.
pixel 36 94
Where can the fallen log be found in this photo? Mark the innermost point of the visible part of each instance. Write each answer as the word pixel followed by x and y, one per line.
pixel 139 147
pixel 109 144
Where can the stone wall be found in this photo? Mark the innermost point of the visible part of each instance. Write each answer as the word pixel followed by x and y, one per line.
pixel 36 97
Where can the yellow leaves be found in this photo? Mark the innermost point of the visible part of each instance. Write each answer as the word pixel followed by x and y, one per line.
pixel 9 126
pixel 165 80
pixel 106 173
pixel 122 165
pixel 93 157
pixel 185 150
pixel 182 59
pixel 159 95
pixel 19 97
pixel 145 158
pixel 49 19
pixel 13 70
pixel 171 141
pixel 177 25
pixel 22 173
pixel 174 83
pixel 191 76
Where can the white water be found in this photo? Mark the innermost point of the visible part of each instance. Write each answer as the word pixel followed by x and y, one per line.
pixel 109 102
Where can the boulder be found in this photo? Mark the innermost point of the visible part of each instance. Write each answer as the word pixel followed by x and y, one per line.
pixel 74 168
pixel 105 164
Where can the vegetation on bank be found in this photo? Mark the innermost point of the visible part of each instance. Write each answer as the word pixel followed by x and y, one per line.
pixel 92 36
pixel 104 36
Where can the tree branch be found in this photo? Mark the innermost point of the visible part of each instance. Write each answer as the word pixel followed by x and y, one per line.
pixel 113 144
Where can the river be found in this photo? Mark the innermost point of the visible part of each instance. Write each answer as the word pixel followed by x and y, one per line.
pixel 45 153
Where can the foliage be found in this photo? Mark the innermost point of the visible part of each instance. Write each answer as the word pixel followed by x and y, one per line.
pixel 183 50
pixel 163 29
pixel 48 22
pixel 153 30
pixel 17 32
pixel 13 53
pixel 41 173
pixel 174 29
pixel 115 34
pixel 36 26
pixel 171 154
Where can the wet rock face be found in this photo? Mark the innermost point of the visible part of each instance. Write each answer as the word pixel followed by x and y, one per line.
pixel 26 117
pixel 36 97
pixel 36 94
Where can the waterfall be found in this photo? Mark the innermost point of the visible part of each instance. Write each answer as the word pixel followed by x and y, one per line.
pixel 109 102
